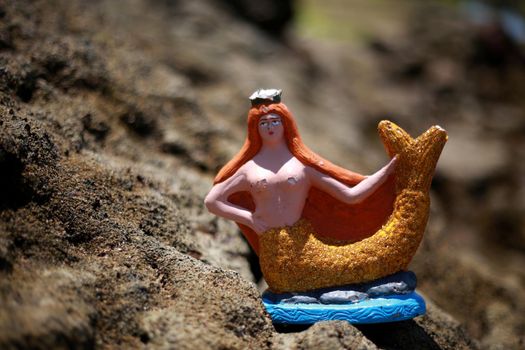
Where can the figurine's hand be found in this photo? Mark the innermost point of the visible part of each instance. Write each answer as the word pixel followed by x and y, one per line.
pixel 259 226
pixel 391 166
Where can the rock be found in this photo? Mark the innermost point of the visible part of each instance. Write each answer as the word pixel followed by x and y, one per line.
pixel 230 306
pixel 435 330
pixel 342 297
pixel 6 255
pixel 270 16
pixel 389 288
pixel 114 118
pixel 325 335
pixel 468 157
pixel 301 299
pixel 48 309
pixel 489 293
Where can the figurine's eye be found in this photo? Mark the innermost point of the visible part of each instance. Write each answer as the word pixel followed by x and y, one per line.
pixel 276 122
pixel 264 124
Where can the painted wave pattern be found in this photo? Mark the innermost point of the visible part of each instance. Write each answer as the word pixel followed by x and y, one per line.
pixel 378 310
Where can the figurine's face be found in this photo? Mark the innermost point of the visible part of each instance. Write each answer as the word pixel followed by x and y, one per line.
pixel 271 128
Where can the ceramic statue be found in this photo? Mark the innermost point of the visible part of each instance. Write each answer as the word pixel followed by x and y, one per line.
pixel 315 225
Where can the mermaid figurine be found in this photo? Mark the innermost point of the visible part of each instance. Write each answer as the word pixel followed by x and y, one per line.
pixel 314 224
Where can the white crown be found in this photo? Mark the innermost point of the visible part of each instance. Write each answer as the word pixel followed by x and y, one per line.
pixel 266 95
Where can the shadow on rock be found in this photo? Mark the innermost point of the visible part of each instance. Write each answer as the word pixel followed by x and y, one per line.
pixel 398 335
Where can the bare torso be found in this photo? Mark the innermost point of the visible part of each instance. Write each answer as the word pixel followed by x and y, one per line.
pixel 279 193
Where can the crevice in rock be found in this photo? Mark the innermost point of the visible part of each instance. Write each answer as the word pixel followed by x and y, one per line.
pixel 398 335
pixel 144 338
pixel 253 261
pixel 272 17
pixel 5 265
pixel 16 192
pixel 26 88
pixel 99 129
pixel 291 328
pixel 138 122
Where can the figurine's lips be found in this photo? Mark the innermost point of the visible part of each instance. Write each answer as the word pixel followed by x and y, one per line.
pixel 271 132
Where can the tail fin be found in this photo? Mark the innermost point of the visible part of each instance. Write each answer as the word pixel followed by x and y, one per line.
pixel 417 157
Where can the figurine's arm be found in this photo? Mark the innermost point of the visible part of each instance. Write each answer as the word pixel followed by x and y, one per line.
pixel 217 200
pixel 350 195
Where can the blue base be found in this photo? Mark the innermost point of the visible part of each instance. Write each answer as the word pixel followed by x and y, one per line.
pixel 390 308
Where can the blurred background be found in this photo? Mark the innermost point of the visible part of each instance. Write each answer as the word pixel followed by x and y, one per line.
pixel 116 115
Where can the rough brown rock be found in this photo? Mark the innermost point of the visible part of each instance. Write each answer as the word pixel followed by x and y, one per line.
pixel 114 118
pixel 325 335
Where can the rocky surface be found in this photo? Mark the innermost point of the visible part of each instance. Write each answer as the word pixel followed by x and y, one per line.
pixel 115 116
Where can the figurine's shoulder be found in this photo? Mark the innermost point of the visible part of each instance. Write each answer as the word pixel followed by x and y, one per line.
pixel 238 178
pixel 246 168
pixel 252 171
pixel 248 172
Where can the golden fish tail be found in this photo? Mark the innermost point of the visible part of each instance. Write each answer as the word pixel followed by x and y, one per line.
pixel 417 157
pixel 297 258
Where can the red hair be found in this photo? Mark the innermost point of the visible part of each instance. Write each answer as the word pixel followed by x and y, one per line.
pixel 372 210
